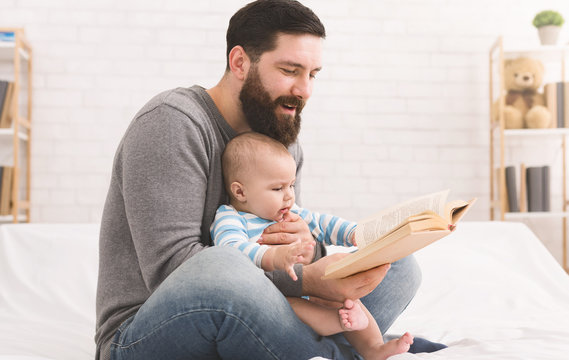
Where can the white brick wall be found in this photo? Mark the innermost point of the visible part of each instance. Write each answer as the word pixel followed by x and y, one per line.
pixel 399 109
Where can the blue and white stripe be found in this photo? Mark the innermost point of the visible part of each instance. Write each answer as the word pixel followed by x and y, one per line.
pixel 242 230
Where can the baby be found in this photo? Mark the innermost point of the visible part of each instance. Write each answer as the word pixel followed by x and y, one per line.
pixel 259 175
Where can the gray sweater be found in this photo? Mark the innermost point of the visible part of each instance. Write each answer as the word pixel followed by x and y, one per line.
pixel 165 188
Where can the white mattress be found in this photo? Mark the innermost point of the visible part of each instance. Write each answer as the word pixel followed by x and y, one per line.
pixel 490 291
pixel 48 278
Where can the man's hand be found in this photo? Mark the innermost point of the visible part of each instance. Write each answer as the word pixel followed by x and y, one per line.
pixel 352 287
pixel 292 228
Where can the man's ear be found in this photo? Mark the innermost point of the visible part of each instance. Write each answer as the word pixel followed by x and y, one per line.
pixel 239 62
pixel 238 191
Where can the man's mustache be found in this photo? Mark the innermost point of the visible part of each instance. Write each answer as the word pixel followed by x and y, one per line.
pixel 291 101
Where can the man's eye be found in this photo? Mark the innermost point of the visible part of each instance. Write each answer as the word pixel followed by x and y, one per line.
pixel 287 71
pixel 277 189
pixel 313 76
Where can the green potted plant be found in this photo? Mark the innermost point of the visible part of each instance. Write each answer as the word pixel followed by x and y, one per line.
pixel 548 24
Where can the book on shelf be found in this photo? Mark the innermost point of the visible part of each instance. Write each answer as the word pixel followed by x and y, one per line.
pixel 546 195
pixel 559 121
pixel 1 172
pixel 565 122
pixel 538 188
pixel 3 92
pixel 6 190
pixel 523 189
pixel 550 90
pixel 6 109
pixel 399 231
pixel 511 189
pixel 557 102
pixel 8 36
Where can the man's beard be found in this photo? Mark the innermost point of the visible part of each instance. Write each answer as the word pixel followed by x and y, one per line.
pixel 260 110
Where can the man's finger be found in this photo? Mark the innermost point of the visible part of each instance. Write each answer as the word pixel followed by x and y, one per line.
pixel 290 216
pixel 283 226
pixel 366 281
pixel 276 238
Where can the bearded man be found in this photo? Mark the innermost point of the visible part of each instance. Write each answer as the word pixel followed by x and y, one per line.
pixel 163 291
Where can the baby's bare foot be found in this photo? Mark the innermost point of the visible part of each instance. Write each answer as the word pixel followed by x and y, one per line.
pixel 393 347
pixel 352 316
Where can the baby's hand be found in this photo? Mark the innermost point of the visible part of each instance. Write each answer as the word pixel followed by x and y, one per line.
pixel 288 255
pixel 353 239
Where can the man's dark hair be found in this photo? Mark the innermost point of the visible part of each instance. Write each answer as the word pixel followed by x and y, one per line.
pixel 255 26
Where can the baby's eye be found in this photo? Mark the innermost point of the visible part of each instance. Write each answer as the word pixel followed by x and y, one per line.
pixel 278 189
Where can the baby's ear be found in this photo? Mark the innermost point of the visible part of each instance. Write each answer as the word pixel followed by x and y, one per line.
pixel 238 191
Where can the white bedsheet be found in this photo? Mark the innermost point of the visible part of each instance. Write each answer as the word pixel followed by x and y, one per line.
pixel 490 291
pixel 48 278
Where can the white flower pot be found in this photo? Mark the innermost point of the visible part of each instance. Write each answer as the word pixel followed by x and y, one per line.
pixel 548 34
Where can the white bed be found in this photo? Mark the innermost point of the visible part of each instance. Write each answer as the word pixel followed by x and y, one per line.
pixel 490 291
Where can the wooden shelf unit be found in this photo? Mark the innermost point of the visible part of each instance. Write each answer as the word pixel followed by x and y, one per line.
pixel 499 136
pixel 17 56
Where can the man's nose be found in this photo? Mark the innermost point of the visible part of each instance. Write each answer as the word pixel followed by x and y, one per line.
pixel 302 88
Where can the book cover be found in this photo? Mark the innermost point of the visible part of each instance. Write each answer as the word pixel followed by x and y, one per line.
pixel 566 104
pixel 5 114
pixel 546 200
pixel 550 90
pixel 534 178
pixel 5 190
pixel 1 171
pixel 559 122
pixel 399 231
pixel 8 36
pixel 3 89
pixel 523 187
pixel 511 189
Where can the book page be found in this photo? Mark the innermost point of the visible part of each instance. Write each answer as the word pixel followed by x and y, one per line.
pixel 372 228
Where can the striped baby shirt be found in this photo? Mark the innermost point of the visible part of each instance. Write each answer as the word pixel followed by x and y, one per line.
pixel 241 230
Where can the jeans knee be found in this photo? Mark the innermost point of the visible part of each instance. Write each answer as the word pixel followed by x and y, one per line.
pixel 223 275
pixel 411 273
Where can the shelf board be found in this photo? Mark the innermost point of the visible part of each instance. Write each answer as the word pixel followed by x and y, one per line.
pixel 10 132
pixel 537 132
pixel 7 51
pixel 10 218
pixel 535 214
pixel 545 52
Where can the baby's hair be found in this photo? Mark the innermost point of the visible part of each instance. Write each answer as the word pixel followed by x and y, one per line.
pixel 241 152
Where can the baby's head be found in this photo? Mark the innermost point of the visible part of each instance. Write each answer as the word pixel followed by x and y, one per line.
pixel 259 175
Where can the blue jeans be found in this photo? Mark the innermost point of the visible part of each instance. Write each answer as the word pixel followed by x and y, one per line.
pixel 219 305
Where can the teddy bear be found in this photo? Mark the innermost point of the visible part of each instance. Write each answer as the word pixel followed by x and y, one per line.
pixel 525 106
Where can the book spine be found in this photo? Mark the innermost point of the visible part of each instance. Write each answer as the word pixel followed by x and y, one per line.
pixel 534 188
pixel 1 177
pixel 511 189
pixel 546 201
pixel 5 190
pixel 551 101
pixel 3 90
pixel 5 114
pixel 566 102
pixel 523 187
pixel 560 106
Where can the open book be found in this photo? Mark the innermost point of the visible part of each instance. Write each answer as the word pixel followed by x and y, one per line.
pixel 399 231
